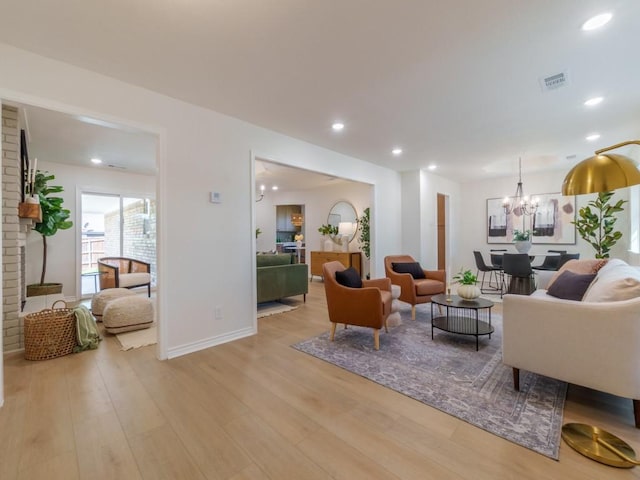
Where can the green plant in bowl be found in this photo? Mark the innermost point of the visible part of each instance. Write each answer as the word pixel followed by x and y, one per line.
pixel 465 277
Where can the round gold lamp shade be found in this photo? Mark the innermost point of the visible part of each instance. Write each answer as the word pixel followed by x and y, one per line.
pixel 602 173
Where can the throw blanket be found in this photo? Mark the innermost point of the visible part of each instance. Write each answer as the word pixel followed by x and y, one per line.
pixel 86 331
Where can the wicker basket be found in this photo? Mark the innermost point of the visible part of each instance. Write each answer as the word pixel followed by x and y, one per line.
pixel 49 333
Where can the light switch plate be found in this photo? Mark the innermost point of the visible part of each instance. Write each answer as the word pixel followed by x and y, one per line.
pixel 215 197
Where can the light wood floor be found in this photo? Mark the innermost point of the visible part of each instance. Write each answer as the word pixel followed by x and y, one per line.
pixel 257 409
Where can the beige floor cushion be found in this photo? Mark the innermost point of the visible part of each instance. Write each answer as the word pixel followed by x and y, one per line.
pixel 100 299
pixel 128 313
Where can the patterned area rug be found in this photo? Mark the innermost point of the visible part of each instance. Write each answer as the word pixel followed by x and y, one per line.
pixel 447 373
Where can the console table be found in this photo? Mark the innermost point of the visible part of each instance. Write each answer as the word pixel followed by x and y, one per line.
pixel 348 259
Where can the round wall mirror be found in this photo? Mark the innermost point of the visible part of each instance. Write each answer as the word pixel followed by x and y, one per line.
pixel 343 215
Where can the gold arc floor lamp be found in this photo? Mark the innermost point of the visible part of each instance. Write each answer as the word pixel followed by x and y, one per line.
pixel 601 173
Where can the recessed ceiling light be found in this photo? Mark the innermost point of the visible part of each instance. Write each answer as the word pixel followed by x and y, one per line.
pixel 432 167
pixel 275 187
pixel 337 126
pixel 593 101
pixel 597 21
pixel 96 161
pixel 593 136
pixel 396 151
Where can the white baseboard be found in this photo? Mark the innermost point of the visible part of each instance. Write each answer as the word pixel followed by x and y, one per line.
pixel 210 342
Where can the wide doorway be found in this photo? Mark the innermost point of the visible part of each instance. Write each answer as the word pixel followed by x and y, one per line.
pixel 115 225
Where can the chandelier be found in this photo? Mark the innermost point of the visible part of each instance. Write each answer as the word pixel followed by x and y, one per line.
pixel 520 204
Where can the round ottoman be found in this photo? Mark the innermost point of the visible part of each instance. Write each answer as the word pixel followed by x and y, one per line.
pixel 127 313
pixel 100 300
pixel 393 320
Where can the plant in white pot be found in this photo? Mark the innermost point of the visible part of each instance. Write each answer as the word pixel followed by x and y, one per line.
pixel 467 285
pixel 522 240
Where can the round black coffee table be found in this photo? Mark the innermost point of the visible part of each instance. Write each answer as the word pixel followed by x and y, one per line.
pixel 464 317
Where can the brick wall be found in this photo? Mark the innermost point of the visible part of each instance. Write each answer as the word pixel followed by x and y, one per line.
pixel 139 229
pixel 14 232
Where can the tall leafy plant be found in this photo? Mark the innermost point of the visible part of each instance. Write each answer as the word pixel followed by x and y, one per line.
pixel 596 223
pixel 364 232
pixel 54 216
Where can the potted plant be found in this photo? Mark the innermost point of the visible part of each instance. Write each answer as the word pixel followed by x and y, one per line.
pixel 54 218
pixel 522 240
pixel 596 226
pixel 327 231
pixel 467 284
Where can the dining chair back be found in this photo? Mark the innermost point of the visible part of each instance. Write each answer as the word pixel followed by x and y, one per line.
pixel 518 267
pixel 550 262
pixel 565 257
pixel 484 268
pixel 496 258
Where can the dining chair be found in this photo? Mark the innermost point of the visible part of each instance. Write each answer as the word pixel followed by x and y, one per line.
pixel 484 268
pixel 518 267
pixel 550 262
pixel 496 258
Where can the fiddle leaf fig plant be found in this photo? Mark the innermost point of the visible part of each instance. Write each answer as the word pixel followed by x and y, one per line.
pixel 54 217
pixel 596 223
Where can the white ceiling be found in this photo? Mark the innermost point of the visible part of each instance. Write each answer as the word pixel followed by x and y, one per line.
pixel 454 83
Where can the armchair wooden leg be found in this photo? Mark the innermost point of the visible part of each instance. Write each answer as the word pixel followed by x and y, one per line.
pixel 376 339
pixel 386 330
pixel 333 331
pixel 413 312
pixel 516 379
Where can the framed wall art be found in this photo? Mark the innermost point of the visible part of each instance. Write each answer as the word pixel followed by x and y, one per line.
pixel 499 224
pixel 551 223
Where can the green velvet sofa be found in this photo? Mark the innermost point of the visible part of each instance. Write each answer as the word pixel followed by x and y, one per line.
pixel 279 277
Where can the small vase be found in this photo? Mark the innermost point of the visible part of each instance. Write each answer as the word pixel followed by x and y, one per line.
pixel 468 292
pixel 522 246
pixel 328 245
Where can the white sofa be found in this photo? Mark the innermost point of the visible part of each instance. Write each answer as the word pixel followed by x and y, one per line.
pixel 594 342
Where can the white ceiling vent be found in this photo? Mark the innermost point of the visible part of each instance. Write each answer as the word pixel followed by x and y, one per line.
pixel 553 82
pixel 119 167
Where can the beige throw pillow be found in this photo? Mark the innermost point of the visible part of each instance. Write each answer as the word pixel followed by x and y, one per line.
pixel 581 267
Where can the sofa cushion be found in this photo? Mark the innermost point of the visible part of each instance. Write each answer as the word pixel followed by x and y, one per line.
pixel 570 285
pixel 269 260
pixel 413 268
pixel 588 265
pixel 134 279
pixel 349 278
pixel 615 282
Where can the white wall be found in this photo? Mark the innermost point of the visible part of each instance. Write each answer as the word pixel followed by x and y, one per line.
pixel 62 259
pixel 473 214
pixel 199 151
pixel 420 191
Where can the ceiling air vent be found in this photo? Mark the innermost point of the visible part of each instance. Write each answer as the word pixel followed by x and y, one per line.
pixel 119 167
pixel 553 82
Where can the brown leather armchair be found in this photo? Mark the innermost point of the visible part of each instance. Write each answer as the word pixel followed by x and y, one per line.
pixel 414 291
pixel 368 306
